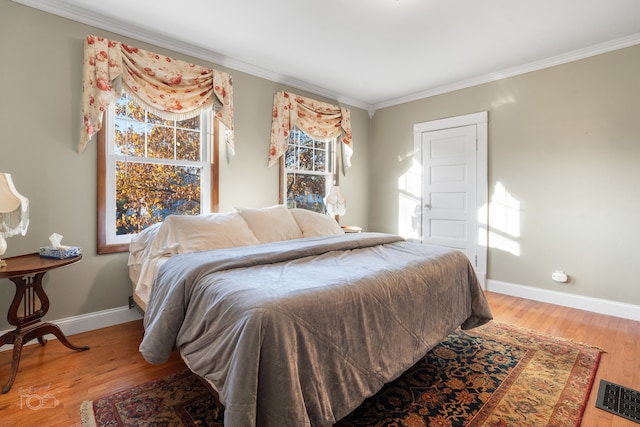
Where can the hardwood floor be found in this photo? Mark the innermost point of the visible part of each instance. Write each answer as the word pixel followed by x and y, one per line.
pixel 619 338
pixel 113 363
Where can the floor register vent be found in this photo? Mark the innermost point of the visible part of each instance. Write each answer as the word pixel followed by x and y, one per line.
pixel 619 400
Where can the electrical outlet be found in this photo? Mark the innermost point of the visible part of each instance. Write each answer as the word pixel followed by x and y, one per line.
pixel 559 276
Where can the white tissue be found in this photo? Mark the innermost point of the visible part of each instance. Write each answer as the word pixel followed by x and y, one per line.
pixel 55 240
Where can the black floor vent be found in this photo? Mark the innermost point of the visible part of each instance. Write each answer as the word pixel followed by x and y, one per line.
pixel 619 400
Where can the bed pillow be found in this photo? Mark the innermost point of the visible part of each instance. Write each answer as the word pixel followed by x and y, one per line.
pixel 272 224
pixel 141 243
pixel 195 233
pixel 315 224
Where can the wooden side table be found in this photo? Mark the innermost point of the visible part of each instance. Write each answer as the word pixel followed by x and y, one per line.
pixel 29 305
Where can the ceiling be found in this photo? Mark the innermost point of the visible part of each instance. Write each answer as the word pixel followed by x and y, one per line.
pixel 370 53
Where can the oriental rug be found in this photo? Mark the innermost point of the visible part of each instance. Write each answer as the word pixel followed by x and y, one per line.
pixel 493 376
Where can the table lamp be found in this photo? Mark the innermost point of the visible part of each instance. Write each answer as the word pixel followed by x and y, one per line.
pixel 335 202
pixel 14 212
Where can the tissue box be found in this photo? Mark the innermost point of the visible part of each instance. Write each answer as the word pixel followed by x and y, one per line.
pixel 61 252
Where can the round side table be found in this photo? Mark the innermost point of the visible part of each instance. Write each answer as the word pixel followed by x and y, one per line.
pixel 30 304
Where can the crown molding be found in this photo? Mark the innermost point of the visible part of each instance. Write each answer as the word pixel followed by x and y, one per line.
pixel 62 9
pixel 575 55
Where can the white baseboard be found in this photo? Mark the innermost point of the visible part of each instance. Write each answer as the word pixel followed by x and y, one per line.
pixel 596 305
pixel 482 278
pixel 89 322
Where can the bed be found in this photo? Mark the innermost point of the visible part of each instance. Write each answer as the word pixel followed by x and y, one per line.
pixel 292 321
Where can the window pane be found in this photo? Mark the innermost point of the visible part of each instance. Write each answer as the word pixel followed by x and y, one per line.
pixel 127 109
pixel 148 193
pixel 305 141
pixel 193 123
pixel 320 161
pixel 121 109
pixel 188 144
pixel 129 138
pixel 291 157
pixel 305 159
pixel 153 119
pixel 160 142
pixel 306 191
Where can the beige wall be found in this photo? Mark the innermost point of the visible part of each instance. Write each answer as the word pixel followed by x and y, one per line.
pixel 565 144
pixel 40 83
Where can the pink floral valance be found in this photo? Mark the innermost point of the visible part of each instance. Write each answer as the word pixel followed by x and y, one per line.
pixel 317 119
pixel 170 88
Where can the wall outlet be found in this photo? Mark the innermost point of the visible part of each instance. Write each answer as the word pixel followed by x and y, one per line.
pixel 559 276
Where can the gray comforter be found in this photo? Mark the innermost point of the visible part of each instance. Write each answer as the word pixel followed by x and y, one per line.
pixel 300 332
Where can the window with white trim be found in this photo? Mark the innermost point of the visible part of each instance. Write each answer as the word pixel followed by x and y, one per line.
pixel 309 169
pixel 153 168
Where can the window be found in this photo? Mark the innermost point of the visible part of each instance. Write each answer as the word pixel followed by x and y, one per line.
pixel 308 170
pixel 150 168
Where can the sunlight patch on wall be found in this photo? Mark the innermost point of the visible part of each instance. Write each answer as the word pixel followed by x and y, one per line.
pixel 409 200
pixel 507 99
pixel 504 221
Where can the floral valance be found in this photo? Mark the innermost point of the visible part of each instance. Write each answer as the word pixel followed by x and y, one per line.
pixel 169 88
pixel 317 119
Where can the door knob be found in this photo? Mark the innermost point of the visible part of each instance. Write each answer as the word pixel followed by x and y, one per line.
pixel 427 206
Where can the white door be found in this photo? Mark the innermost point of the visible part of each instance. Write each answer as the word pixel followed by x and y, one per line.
pixel 449 205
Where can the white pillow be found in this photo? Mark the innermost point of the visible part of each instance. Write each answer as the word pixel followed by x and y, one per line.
pixel 195 233
pixel 315 224
pixel 140 244
pixel 180 234
pixel 272 224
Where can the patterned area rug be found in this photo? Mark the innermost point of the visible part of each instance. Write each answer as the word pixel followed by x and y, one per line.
pixel 494 376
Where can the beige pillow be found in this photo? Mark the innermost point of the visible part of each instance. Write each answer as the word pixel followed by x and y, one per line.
pixel 196 233
pixel 315 224
pixel 271 224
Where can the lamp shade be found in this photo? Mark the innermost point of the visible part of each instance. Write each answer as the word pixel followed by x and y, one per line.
pixel 335 202
pixel 14 208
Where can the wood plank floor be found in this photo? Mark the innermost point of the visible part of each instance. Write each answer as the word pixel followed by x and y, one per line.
pixel 114 363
